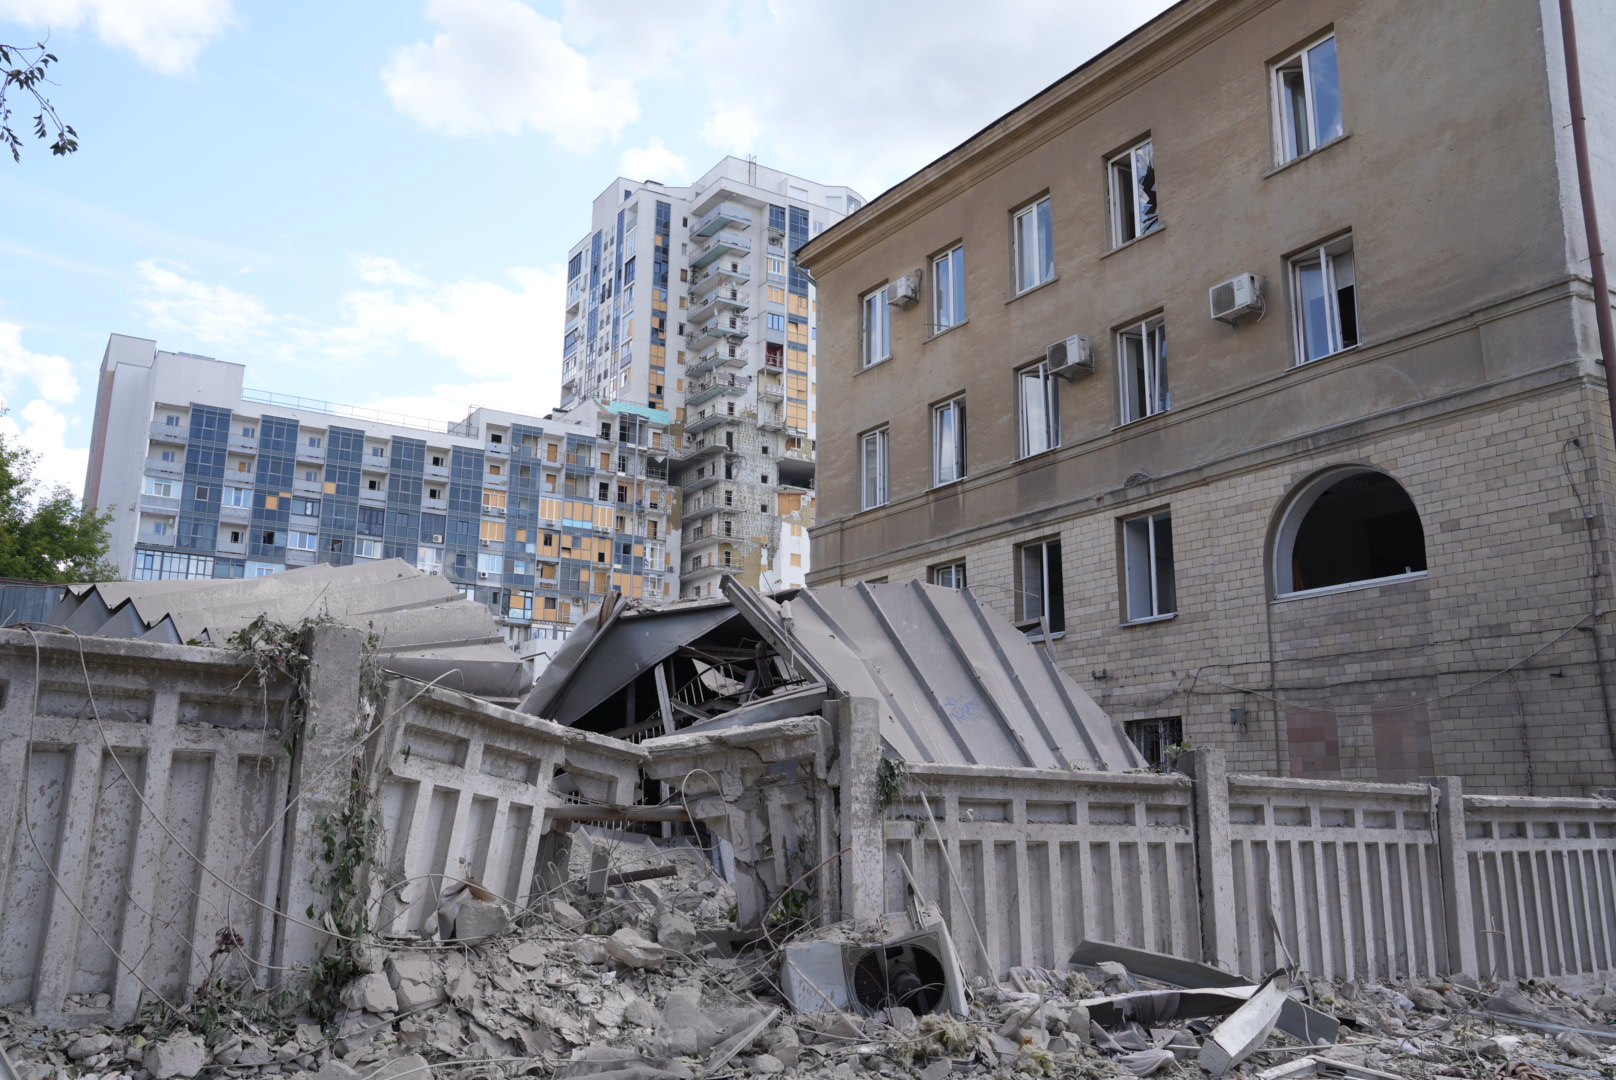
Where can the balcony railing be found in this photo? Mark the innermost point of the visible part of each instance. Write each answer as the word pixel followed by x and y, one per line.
pixel 722 244
pixel 719 216
pixel 170 432
pixel 718 275
pixel 718 356
pixel 714 385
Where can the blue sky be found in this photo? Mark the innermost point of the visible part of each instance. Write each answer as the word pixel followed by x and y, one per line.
pixel 371 202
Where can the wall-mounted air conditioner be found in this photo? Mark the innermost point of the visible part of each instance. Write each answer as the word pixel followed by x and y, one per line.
pixel 905 292
pixel 915 968
pixel 1070 357
pixel 437 538
pixel 483 574
pixel 1240 295
pixel 482 543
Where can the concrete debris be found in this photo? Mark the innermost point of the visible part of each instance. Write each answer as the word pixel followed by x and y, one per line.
pixel 701 1001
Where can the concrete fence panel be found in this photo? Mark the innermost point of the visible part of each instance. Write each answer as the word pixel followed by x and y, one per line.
pixel 1342 878
pixel 463 789
pixel 142 788
pixel 1027 863
pixel 1542 880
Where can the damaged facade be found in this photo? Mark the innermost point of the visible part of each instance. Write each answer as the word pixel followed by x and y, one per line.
pixel 1353 523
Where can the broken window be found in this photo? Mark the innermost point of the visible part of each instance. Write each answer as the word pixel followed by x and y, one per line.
pixel 1347 527
pixel 1039 396
pixel 1307 100
pixel 1324 296
pixel 873 455
pixel 1040 598
pixel 948 441
pixel 1032 242
pixel 1142 374
pixel 1132 176
pixel 1147 551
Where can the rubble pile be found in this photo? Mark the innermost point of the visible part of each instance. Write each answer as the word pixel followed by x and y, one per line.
pixel 648 980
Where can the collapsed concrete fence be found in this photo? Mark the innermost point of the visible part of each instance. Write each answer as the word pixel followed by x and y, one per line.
pixel 153 796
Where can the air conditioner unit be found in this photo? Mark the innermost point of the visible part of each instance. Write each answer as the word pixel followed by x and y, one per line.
pixel 905 292
pixel 482 574
pixel 482 543
pixel 499 511
pixel 437 538
pixel 917 969
pixel 1240 295
pixel 1069 357
pixel 432 573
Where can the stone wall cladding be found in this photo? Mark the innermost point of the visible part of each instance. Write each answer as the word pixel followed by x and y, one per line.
pixel 1475 669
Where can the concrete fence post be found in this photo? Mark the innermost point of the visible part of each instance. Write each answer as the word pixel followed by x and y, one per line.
pixel 859 733
pixel 1209 768
pixel 1457 913
pixel 318 785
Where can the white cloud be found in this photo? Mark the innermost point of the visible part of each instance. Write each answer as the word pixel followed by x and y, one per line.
pixel 500 66
pixel 52 376
pixel 213 314
pixel 41 427
pixel 654 161
pixel 910 84
pixel 165 35
pixel 380 270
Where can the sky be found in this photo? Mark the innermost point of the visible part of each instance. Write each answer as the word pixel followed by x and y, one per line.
pixel 370 202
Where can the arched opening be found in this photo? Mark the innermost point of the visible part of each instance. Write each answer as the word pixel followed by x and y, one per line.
pixel 1347 527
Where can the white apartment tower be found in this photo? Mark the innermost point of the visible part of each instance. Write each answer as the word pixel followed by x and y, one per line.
pixel 688 299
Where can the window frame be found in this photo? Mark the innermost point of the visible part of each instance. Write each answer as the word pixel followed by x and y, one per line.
pixel 1152 383
pixel 1127 163
pixel 954 571
pixel 1298 504
pixel 1050 402
pixel 1326 255
pixel 875 302
pixel 954 407
pixel 1286 146
pixel 1043 233
pixel 948 306
pixel 1051 593
pixel 1139 539
pixel 875 445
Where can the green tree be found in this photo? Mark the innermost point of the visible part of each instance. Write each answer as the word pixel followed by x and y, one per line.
pixel 22 69
pixel 49 538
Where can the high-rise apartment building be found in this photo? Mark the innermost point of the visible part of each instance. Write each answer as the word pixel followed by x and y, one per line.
pixel 536 517
pixel 688 300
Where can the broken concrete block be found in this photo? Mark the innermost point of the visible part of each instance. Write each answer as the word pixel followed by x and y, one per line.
pixel 408 1067
pixel 1426 999
pixel 254 1052
pixel 371 993
pixel 530 954
pixel 937 1070
pixel 1576 1045
pixel 411 969
pixel 768 1065
pixel 628 946
pixel 89 1045
pixel 565 915
pixel 479 919
pixel 675 931
pixel 1605 1003
pixel 182 1056
pixel 413 994
pixel 591 949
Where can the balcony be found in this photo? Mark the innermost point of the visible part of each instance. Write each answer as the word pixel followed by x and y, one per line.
pixel 710 418
pixel 770 389
pixel 152 540
pixel 229 512
pixel 575 292
pixel 699 506
pixel 720 216
pixel 724 243
pixel 720 275
pixel 795 453
pixel 723 328
pixel 173 433
pixel 723 300
pixel 714 357
pixel 707 567
pixel 242 444
pixel 714 385
pixel 771 420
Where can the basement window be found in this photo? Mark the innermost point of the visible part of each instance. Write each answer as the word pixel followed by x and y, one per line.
pixel 1153 737
pixel 1347 527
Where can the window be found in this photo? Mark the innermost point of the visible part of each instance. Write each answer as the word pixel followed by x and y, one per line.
pixel 1154 738
pixel 434 493
pixel 429 560
pixel 1032 245
pixel 1039 597
pixel 1324 296
pixel 160 527
pixel 1142 369
pixel 1133 194
pixel 1307 100
pixel 1147 558
pixel 875 342
pixel 1345 527
pixel 874 469
pixel 235 536
pixel 381 451
pixel 169 455
pixel 249 433
pixel 171 420
pixel 303 541
pixel 948 290
pixel 314 442
pixel 948 442
pixel 1038 394
pixel 306 507
pixel 367 549
pixel 490 564
pixel 311 476
pixel 163 489
pixel 237 496
pixel 373 485
pixel 951 576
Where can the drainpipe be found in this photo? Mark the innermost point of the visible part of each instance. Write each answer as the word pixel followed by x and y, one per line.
pixel 1596 266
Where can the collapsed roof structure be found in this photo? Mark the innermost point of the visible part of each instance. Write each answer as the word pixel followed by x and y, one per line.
pixel 955 682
